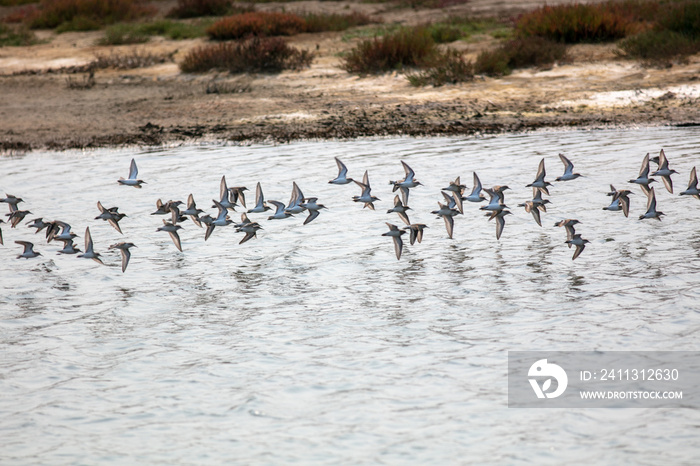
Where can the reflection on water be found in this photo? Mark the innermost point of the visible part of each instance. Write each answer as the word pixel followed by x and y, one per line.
pixel 313 343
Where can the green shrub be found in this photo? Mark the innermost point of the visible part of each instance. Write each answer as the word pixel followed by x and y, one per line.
pixel 442 33
pixel 659 46
pixel 81 14
pixel 575 23
pixel 16 2
pixel 16 36
pixel 407 47
pixel 196 8
pixel 493 62
pixel 520 53
pixel 449 67
pixel 136 33
pixel 321 22
pixel 683 18
pixel 252 55
pixel 124 33
pixel 256 23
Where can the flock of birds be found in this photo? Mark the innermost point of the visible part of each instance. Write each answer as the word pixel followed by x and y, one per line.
pixel 453 196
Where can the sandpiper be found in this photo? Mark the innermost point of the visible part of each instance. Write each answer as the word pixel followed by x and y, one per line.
pixel 16 216
pixel 89 251
pixel 221 220
pixel 400 209
pixel 193 211
pixel 294 205
pixel 28 252
pixel 407 183
pixel 249 229
pixel 38 223
pixel 620 200
pixel 342 177
pixel 651 207
pixel 497 199
pixel 172 231
pixel 164 208
pixel 664 172
pixel 643 178
pixel 280 213
pixel 447 215
pixel 692 186
pixel 133 174
pixel 416 231
pixel 568 224
pixel 395 234
pixel 64 234
pixel 533 209
pixel 499 215
pixel 12 200
pixel 124 249
pixel 260 205
pixel 311 204
pixel 456 187
pixel 454 201
pixel 69 247
pixel 568 170
pixel 580 244
pixel 111 215
pixel 366 195
pixel 539 179
pixel 476 195
pixel 238 195
pixel 225 195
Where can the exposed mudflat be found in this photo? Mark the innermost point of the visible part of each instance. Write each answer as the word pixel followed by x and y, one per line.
pixel 160 105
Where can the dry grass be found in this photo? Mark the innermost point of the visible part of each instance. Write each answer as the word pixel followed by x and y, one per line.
pixel 131 60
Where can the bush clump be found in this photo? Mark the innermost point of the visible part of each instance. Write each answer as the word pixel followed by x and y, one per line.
pixel 675 35
pixel 449 67
pixel 196 8
pixel 83 14
pixel 520 53
pixel 256 23
pixel 16 36
pixel 575 23
pixel 322 22
pixel 407 47
pixel 656 47
pixel 137 33
pixel 256 54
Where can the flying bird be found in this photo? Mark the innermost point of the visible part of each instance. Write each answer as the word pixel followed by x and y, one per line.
pixel 342 177
pixel 366 195
pixel 133 175
pixel 124 249
pixel 692 186
pixel 395 234
pixel 89 251
pixel 664 172
pixel 568 170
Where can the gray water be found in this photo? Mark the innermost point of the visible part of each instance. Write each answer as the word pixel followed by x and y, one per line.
pixel 313 344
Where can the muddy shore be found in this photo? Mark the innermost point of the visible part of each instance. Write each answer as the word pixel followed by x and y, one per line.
pixel 158 105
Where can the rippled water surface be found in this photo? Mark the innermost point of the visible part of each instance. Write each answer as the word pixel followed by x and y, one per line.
pixel 313 344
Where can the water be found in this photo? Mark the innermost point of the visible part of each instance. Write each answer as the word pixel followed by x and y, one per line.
pixel 313 344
